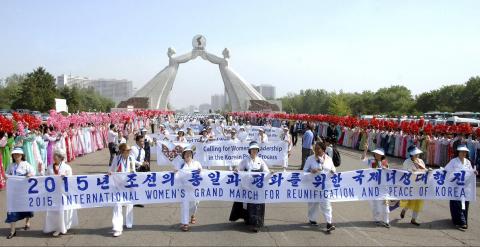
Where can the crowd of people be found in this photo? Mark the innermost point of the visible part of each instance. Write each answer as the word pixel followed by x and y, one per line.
pixel 452 147
pixel 437 142
pixel 29 147
pixel 51 146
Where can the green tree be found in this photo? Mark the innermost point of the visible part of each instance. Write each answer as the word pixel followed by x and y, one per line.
pixel 37 91
pixel 449 98
pixel 471 95
pixel 394 100
pixel 10 90
pixel 73 97
pixel 338 106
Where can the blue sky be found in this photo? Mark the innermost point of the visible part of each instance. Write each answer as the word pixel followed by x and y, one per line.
pixel 293 45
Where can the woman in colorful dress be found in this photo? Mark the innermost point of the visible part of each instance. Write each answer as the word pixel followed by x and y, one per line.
pixel 415 165
pixel 3 179
pixel 51 138
pixel 27 145
pixel 7 150
pixel 19 167
pixel 42 146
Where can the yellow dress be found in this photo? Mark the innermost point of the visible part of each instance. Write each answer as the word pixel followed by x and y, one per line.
pixel 414 205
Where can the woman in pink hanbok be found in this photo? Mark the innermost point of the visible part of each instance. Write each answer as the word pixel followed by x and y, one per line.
pixel 51 138
pixel 98 138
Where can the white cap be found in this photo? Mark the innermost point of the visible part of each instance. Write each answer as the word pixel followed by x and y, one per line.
pixel 253 145
pixel 190 148
pixel 462 148
pixel 379 151
pixel 414 151
pixel 17 150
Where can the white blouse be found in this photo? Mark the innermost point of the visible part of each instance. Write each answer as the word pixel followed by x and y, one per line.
pixel 63 170
pixel 408 165
pixel 120 164
pixel 456 165
pixel 22 169
pixel 324 163
pixel 257 164
pixel 193 165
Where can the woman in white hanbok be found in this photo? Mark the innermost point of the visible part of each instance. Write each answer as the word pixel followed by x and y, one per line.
pixel 60 221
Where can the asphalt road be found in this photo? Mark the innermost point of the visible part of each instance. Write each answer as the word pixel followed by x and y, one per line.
pixel 158 224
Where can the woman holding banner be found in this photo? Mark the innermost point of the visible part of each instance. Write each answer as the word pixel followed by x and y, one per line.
pixel 123 162
pixel 252 213
pixel 320 162
pixel 415 165
pixel 204 137
pixel 19 167
pixel 59 222
pixel 233 135
pixel 189 208
pixel 190 132
pixel 181 136
pixel 262 137
pixel 459 209
pixel 380 208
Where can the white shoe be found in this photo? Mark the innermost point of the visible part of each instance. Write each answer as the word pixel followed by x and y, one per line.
pixel 56 234
pixel 117 233
pixel 129 227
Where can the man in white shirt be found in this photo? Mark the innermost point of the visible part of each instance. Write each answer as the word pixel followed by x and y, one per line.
pixel 317 163
pixel 288 138
pixel 138 153
pixel 112 142
pixel 121 139
pixel 328 143
pixel 146 146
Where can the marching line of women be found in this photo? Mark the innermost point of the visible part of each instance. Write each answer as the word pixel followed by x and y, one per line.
pixel 130 159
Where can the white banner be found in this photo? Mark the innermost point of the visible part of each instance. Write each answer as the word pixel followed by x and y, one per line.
pixel 273 133
pixel 231 153
pixel 222 153
pixel 88 191
pixel 190 139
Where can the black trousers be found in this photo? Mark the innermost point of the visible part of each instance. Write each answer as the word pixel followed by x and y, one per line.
pixel 459 216
pixel 294 138
pixel 253 216
pixel 112 147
